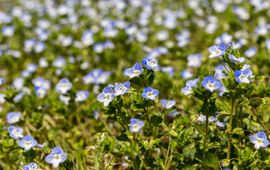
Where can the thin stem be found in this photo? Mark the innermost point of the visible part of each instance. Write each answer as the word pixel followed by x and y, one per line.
pixel 230 127
pixel 206 135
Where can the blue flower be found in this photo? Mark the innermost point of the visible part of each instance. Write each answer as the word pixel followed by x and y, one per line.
pixel 150 93
pixel 187 90
pixel 194 60
pixel 135 125
pixel 2 81
pixel 56 157
pixel 217 50
pixel 27 142
pixel 15 132
pixel 13 117
pixel 65 99
pixel 135 71
pixel 259 140
pixel 40 92
pixel 120 89
pixel 167 103
pixel 82 95
pixel 96 76
pixel 211 83
pixel 186 74
pixel 221 70
pixel 87 38
pixel 169 70
pixel 41 82
pixel 243 76
pixel 106 96
pixel 251 52
pixel 151 63
pixel 31 166
pixel 237 60
pixel 63 86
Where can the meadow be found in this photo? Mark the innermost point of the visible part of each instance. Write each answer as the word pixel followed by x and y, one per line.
pixel 134 84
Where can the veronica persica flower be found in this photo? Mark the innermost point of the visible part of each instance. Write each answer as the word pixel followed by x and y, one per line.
pixel 151 63
pixel 259 140
pixel 13 117
pixel 150 93
pixel 236 60
pixel 167 103
pixel 96 76
pixel 63 86
pixel 106 96
pixel 217 50
pixel 135 125
pixel 135 71
pixel 188 89
pixel 27 142
pixel 2 80
pixel 243 76
pixel 31 166
pixel 82 95
pixel 121 88
pixel 15 132
pixel 40 92
pixel 211 83
pixel 56 157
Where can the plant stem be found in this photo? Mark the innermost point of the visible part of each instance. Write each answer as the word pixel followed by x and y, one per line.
pixel 206 135
pixel 230 127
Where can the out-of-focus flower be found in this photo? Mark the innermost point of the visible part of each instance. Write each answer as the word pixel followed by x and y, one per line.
pixel 56 157
pixel 135 71
pixel 13 117
pixel 135 125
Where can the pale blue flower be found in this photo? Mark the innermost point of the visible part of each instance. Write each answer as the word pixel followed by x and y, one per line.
pixel 13 117
pixel 2 81
pixel 150 93
pixel 135 71
pixel 121 88
pixel 186 74
pixel 169 70
pixel 167 104
pixel 251 52
pixel 237 60
pixel 82 95
pixel 259 140
pixel 151 63
pixel 217 50
pixel 106 96
pixel 97 76
pixel 211 83
pixel 56 157
pixel 194 60
pixel 27 142
pixel 31 166
pixel 188 89
pixel 63 86
pixel 243 75
pixel 87 38
pixel 135 125
pixel 15 132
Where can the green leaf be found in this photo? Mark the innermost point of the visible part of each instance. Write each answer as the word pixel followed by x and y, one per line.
pixel 211 160
pixel 238 131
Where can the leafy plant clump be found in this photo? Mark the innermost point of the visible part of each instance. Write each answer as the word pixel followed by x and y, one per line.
pixel 134 84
